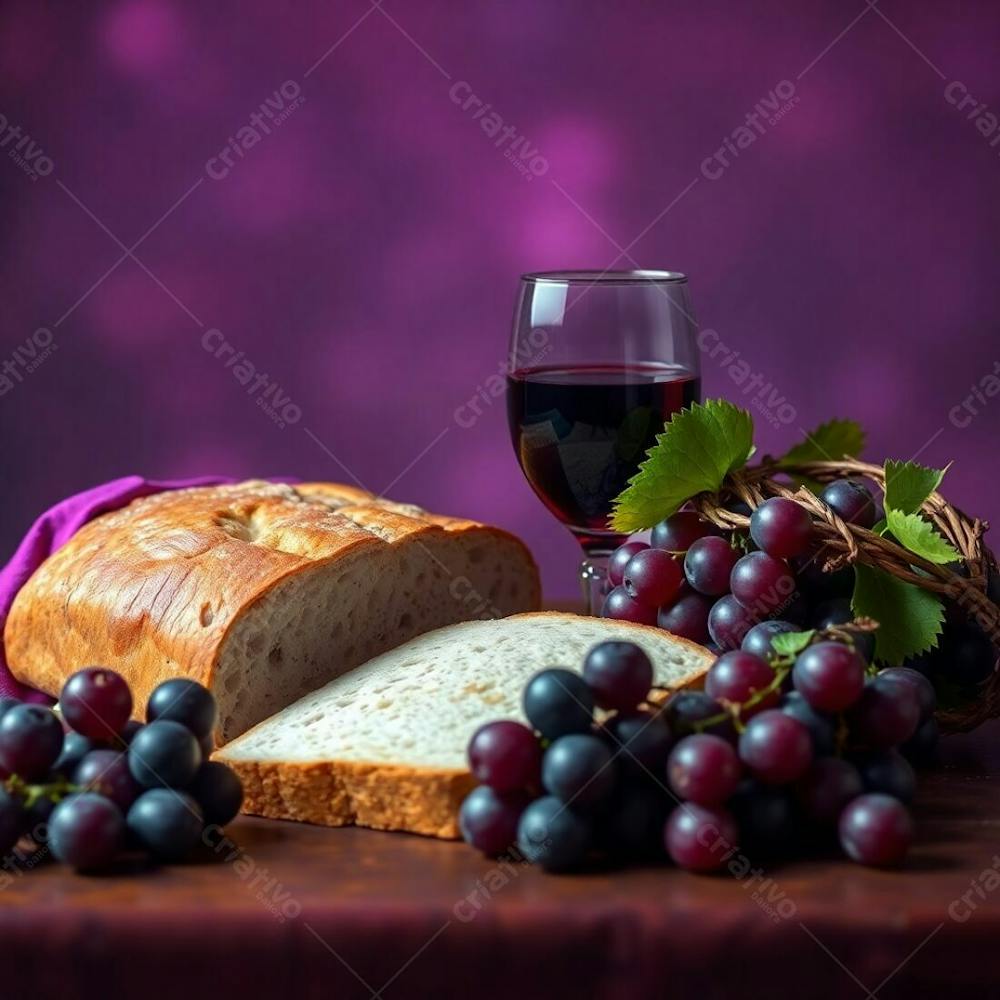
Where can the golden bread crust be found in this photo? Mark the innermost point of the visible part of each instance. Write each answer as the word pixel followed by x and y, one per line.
pixel 153 589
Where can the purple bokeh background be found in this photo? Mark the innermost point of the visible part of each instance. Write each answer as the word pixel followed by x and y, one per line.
pixel 365 252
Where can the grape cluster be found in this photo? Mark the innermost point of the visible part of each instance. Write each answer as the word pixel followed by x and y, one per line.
pixel 107 784
pixel 736 589
pixel 780 751
pixel 819 750
pixel 730 590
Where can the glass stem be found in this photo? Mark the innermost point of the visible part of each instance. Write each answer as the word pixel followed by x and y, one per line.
pixel 594 581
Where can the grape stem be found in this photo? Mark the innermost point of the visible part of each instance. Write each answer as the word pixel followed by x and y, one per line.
pixel 782 664
pixel 32 793
pixel 733 710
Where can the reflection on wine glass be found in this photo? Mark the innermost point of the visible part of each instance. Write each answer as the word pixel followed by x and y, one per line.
pixel 598 363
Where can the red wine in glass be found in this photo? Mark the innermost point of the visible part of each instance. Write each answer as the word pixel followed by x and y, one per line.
pixel 599 362
pixel 580 434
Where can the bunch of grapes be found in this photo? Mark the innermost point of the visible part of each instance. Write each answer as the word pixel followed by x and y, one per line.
pixel 105 783
pixel 732 590
pixel 716 588
pixel 800 750
pixel 777 752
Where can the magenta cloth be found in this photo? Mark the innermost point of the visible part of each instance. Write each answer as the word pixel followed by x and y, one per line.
pixel 56 527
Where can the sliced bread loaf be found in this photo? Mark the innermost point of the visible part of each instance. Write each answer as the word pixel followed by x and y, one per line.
pixel 260 591
pixel 384 745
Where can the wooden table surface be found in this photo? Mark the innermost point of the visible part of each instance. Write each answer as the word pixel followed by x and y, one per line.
pixel 302 911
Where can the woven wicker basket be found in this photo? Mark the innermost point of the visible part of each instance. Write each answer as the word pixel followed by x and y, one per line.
pixel 843 544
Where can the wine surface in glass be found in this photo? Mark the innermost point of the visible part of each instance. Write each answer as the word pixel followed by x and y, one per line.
pixel 581 432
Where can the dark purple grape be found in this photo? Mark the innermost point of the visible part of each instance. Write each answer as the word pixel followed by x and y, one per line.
pixel 876 829
pixel 552 835
pixel 164 753
pixel 13 820
pixel 107 773
pixel 621 606
pixel 31 739
pixel 889 772
pixel 37 817
pixel 6 704
pixel 684 710
pixel 704 769
pixel 781 528
pixel 762 583
pixel 922 687
pixel 767 818
pixel 75 747
pixel 619 674
pixel 218 791
pixel 739 507
pixel 796 610
pixel 729 622
pixel 736 676
pixel 864 643
pixel 166 822
pixel 928 663
pixel 921 748
pixel 851 501
pixel 643 738
pixel 131 728
pixel 708 563
pixel 680 531
pixel 818 586
pixel 820 726
pixel 968 656
pixel 185 701
pixel 838 612
pixel 700 839
pixel 579 770
pixel 86 831
pixel 886 714
pixel 759 640
pixel 505 755
pixel 619 558
pixel 630 828
pixel 687 617
pixel 828 785
pixel 653 577
pixel 558 702
pixel 488 819
pixel 96 702
pixel 775 747
pixel 829 675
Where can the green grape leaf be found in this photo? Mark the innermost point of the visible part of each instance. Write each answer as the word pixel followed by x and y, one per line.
pixel 693 454
pixel 908 485
pixel 791 643
pixel 909 618
pixel 920 537
pixel 829 441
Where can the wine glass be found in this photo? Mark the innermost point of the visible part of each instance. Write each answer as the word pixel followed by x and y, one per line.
pixel 598 363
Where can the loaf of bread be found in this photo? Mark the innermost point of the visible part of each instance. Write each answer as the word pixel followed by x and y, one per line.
pixel 261 592
pixel 384 746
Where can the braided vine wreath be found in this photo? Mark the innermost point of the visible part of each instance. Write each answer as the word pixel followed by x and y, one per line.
pixel 923 558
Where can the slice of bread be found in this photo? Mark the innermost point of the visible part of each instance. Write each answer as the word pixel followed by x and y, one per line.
pixel 384 745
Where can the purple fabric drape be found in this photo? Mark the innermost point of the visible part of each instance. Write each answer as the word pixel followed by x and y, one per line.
pixel 56 527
